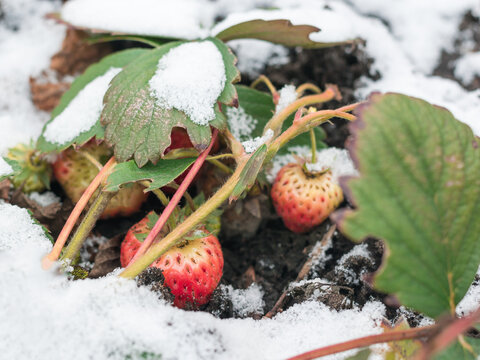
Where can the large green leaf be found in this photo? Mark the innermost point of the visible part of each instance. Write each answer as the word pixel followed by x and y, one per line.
pixel 279 31
pixel 160 174
pixel 116 60
pixel 138 127
pixel 419 190
pixel 257 108
pixel 458 352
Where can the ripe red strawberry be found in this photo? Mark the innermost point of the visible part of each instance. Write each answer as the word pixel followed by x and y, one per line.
pixel 192 270
pixel 74 172
pixel 304 199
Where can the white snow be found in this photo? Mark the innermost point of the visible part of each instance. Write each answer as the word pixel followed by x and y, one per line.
pixel 404 55
pixel 349 274
pixel 17 229
pixel 190 78
pixel 176 19
pixel 27 41
pixel 45 316
pixel 337 160
pixel 252 145
pixel 287 96
pixel 467 67
pixel 5 168
pixel 471 301
pixel 44 199
pixel 240 123
pixel 245 301
pixel 253 55
pixel 82 112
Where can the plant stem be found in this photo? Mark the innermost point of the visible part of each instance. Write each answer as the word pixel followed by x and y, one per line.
pixel 186 195
pixel 313 143
pixel 308 86
pixel 174 201
pixel 182 229
pixel 415 333
pixel 49 259
pixel 268 83
pixel 158 193
pixel 303 125
pixel 221 166
pixel 277 120
pixel 87 224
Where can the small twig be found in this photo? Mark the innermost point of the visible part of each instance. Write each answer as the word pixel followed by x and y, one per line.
pixel 314 256
pixel 268 83
pixel 415 333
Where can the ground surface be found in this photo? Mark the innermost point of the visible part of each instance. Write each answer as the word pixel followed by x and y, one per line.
pixel 105 317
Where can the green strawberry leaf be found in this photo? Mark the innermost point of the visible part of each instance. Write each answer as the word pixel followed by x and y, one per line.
pixel 458 352
pixel 255 109
pixel 137 126
pixel 361 355
pixel 116 60
pixel 279 31
pixel 160 174
pixel 249 172
pixel 419 191
pixel 152 41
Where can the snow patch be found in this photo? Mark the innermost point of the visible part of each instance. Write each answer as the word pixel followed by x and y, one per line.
pixel 190 78
pixel 252 145
pixel 240 123
pixel 82 112
pixel 337 160
pixel 287 96
pixel 17 229
pixel 245 301
pixel 471 301
pixel 27 41
pixel 467 67
pixel 253 55
pixel 112 318
pixel 182 19
pixel 5 168
pixel 44 199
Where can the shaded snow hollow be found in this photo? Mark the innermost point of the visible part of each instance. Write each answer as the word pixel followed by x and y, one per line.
pixel 46 316
pixel 190 78
pixel 82 112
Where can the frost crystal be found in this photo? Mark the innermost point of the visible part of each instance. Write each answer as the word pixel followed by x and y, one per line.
pixel 252 145
pixel 5 168
pixel 240 123
pixel 44 199
pixel 287 96
pixel 190 78
pixel 83 111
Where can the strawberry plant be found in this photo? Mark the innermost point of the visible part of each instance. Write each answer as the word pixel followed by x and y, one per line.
pixel 148 119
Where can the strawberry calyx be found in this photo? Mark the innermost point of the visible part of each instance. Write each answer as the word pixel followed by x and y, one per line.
pixel 35 172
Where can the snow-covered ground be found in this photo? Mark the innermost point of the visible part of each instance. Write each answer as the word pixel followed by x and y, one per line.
pixel 45 316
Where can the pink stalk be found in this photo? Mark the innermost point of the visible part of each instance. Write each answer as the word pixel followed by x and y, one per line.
pixel 174 201
pixel 53 256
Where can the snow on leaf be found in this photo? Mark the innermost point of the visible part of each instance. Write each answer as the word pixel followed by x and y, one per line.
pixel 418 190
pixel 139 118
pixel 75 119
